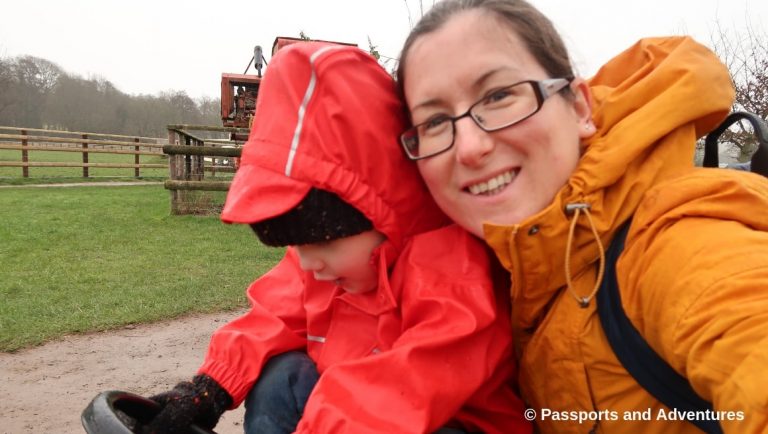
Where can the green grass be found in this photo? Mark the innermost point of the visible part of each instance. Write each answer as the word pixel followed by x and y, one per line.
pixel 81 259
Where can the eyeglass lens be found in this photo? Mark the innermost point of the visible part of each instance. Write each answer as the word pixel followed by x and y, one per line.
pixel 499 109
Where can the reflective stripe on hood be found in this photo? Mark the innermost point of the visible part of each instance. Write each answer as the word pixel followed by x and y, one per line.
pixel 327 116
pixel 302 111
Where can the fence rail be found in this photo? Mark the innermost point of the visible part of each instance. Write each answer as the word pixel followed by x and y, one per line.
pixel 77 133
pixel 191 152
pixel 20 147
pixel 21 139
pixel 85 165
pixel 66 140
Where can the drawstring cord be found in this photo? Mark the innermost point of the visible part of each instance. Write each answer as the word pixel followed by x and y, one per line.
pixel 576 209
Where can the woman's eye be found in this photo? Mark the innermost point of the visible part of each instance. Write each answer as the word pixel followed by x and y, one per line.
pixel 499 96
pixel 435 122
pixel 434 125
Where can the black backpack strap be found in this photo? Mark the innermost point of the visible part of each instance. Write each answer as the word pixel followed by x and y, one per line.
pixel 638 358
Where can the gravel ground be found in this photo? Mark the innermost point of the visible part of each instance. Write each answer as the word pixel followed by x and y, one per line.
pixel 45 389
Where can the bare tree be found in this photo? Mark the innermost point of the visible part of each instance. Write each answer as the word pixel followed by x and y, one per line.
pixel 209 110
pixel 6 81
pixel 388 62
pixel 25 83
pixel 421 10
pixel 373 49
pixel 746 56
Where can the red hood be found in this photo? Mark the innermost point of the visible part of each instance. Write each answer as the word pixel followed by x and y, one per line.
pixel 328 116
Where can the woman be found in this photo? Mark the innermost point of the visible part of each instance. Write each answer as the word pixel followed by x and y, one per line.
pixel 547 168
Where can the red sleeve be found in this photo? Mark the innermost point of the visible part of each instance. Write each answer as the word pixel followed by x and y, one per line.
pixel 455 347
pixel 275 323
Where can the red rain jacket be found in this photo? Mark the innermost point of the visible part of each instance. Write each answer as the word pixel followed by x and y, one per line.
pixel 430 346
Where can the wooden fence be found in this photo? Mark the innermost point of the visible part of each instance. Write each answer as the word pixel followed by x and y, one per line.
pixel 27 140
pixel 190 157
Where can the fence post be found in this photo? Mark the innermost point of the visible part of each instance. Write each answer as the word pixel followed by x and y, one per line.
pixel 176 165
pixel 213 165
pixel 187 159
pixel 85 156
pixel 24 156
pixel 136 158
pixel 180 198
pixel 198 163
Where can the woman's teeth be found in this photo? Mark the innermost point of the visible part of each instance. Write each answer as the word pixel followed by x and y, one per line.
pixel 493 185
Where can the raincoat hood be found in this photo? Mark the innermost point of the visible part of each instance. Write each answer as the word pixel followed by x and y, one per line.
pixel 328 116
pixel 692 270
pixel 649 110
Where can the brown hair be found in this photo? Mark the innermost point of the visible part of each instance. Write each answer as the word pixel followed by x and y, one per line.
pixel 535 30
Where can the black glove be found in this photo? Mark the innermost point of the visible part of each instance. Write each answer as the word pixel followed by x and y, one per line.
pixel 200 401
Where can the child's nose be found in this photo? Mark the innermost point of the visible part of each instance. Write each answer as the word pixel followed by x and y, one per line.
pixel 309 262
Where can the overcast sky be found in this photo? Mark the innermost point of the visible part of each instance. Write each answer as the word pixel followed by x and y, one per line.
pixel 145 46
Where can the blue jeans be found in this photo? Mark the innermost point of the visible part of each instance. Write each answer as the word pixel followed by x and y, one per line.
pixel 276 402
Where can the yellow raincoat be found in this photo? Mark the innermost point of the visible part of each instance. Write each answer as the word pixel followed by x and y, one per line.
pixel 694 272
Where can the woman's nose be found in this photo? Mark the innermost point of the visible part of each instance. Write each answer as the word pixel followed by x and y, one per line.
pixel 471 142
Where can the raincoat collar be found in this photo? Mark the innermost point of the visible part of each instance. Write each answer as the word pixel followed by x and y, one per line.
pixel 383 299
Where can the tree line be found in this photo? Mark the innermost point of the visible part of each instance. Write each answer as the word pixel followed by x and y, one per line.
pixel 37 93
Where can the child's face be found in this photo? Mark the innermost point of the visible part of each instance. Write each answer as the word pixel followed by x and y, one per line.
pixel 345 261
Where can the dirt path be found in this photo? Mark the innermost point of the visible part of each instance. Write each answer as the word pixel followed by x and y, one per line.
pixel 45 389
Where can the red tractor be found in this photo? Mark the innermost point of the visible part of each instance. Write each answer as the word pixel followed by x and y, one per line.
pixel 240 91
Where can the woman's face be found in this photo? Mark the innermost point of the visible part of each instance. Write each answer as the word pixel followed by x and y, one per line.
pixel 519 169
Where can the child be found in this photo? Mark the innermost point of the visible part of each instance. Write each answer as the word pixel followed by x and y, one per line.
pixel 379 318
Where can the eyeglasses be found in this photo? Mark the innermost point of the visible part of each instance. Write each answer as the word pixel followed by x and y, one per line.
pixel 501 109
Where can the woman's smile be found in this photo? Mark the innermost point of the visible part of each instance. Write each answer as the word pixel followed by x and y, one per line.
pixel 494 185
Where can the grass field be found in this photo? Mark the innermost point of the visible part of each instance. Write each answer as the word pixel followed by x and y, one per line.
pixel 80 259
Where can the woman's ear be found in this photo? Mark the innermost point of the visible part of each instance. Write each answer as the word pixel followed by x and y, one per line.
pixel 582 107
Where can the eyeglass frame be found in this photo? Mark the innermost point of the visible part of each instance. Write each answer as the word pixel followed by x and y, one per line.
pixel 543 89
